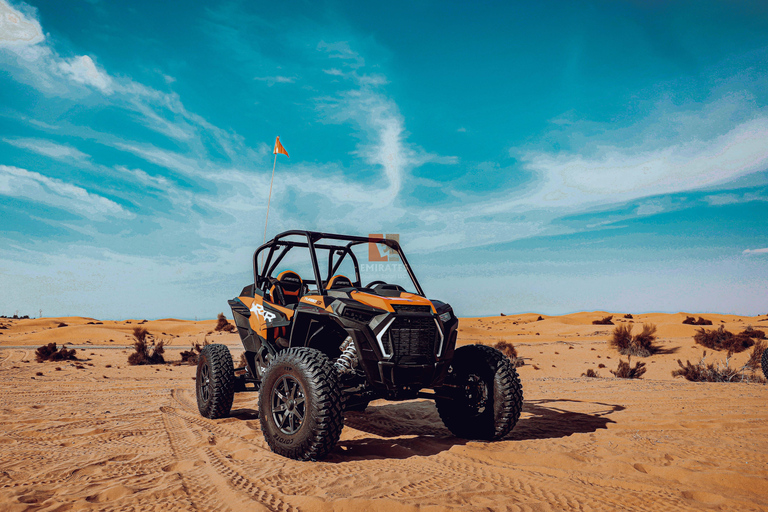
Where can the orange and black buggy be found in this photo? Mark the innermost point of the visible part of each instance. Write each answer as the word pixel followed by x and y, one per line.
pixel 318 341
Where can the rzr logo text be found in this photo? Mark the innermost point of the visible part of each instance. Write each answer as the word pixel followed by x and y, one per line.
pixel 260 311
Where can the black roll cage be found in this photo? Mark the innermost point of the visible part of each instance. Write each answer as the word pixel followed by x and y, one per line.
pixel 341 251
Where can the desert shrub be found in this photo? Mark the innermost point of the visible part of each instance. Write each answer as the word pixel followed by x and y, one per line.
pixel 50 353
pixel 61 324
pixel 604 321
pixel 703 372
pixel 756 334
pixel 755 357
pixel 622 338
pixel 223 324
pixel 540 318
pixel 243 363
pixel 144 353
pixel 720 339
pixel 591 373
pixel 625 370
pixel 701 321
pixel 628 315
pixel 641 345
pixel 140 334
pixel 191 356
pixel 510 351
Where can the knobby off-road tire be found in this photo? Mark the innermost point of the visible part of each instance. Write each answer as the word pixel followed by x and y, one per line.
pixel 487 397
pixel 215 382
pixel 765 363
pixel 300 404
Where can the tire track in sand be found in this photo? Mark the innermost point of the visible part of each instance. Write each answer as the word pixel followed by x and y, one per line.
pixel 226 470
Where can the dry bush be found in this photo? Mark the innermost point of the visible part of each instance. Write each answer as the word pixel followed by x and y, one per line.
pixel 591 373
pixel 61 324
pixel 223 324
pixel 641 345
pixel 755 357
pixel 243 362
pixel 622 338
pixel 756 334
pixel 510 351
pixel 540 318
pixel 701 321
pixel 140 334
pixel 628 315
pixel 625 371
pixel 144 353
pixel 604 321
pixel 192 355
pixel 720 339
pixel 49 353
pixel 703 372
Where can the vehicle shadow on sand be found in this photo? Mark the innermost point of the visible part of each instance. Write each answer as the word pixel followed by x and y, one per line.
pixel 244 414
pixel 414 428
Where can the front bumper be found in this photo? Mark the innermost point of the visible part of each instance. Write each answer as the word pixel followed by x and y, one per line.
pixel 404 351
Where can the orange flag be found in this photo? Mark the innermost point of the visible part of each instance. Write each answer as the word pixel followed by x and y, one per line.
pixel 279 148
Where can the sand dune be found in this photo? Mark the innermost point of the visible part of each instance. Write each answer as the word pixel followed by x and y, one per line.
pixel 107 436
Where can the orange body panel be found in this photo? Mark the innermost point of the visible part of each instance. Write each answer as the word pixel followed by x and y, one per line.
pixel 386 302
pixel 257 319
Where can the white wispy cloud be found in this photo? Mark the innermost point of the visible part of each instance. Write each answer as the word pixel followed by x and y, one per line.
pixel 755 251
pixel 272 80
pixel 618 174
pixel 733 198
pixel 156 182
pixel 83 70
pixel 36 187
pixel 367 107
pixel 34 61
pixel 17 29
pixel 48 148
pixel 342 50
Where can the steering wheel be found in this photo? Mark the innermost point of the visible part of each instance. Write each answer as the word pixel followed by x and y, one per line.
pixel 372 283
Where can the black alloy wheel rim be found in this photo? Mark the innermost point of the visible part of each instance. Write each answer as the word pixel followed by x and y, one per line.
pixel 288 404
pixel 205 382
pixel 476 393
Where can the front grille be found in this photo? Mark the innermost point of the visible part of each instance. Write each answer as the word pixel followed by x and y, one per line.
pixel 411 308
pixel 413 339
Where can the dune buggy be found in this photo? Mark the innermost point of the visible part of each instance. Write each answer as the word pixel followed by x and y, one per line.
pixel 318 342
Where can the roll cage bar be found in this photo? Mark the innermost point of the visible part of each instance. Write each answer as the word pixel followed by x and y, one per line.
pixel 275 253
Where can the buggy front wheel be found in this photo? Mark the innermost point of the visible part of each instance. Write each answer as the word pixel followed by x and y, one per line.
pixel 300 404
pixel 482 397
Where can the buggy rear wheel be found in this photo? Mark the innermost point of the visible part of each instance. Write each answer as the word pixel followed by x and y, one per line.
pixel 300 405
pixel 483 394
pixel 765 363
pixel 215 381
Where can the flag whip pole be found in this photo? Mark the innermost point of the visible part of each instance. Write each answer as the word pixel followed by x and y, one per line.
pixel 269 200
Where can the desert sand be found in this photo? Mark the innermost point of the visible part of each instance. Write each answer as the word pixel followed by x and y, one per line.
pixel 98 434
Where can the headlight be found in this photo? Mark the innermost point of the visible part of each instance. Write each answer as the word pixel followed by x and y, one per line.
pixel 444 317
pixel 356 314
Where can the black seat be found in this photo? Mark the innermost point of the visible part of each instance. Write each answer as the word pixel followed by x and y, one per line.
pixel 338 281
pixel 290 284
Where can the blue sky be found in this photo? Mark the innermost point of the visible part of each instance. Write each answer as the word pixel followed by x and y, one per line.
pixel 533 156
